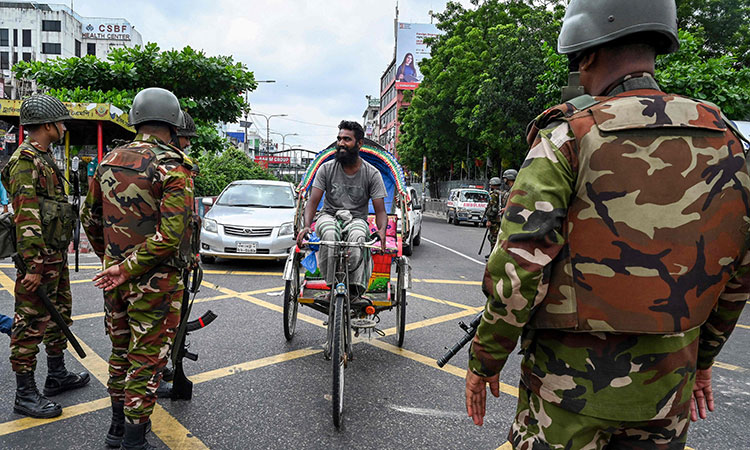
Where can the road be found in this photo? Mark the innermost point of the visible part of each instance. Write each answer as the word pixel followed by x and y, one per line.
pixel 256 390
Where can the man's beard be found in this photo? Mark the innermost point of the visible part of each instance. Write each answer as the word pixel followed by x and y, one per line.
pixel 347 158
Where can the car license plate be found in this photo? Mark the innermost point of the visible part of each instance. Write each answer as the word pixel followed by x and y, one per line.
pixel 247 247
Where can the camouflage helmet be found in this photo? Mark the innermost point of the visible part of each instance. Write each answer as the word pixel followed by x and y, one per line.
pixel 591 23
pixel 156 105
pixel 495 181
pixel 42 108
pixel 188 128
pixel 510 174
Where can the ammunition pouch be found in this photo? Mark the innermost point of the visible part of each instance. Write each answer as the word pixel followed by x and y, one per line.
pixel 58 222
pixel 187 254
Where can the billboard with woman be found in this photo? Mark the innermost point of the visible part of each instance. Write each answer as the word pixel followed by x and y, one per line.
pixel 410 50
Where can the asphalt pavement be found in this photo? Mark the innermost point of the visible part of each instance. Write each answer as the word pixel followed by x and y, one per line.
pixel 253 389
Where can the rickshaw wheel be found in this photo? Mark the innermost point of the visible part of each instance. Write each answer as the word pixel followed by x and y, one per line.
pixel 400 310
pixel 338 358
pixel 291 293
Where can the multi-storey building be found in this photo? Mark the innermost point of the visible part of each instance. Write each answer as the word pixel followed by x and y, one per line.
pixel 31 31
pixel 371 118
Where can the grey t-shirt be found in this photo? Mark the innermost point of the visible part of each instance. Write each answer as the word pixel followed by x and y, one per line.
pixel 350 192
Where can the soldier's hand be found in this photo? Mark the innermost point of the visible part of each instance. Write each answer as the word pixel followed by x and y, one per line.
pixel 489 224
pixel 703 395
pixel 476 394
pixel 31 281
pixel 110 278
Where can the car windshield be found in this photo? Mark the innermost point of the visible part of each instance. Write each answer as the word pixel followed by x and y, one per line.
pixel 259 195
pixel 475 196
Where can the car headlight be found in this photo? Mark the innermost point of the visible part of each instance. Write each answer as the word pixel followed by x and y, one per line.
pixel 286 229
pixel 210 225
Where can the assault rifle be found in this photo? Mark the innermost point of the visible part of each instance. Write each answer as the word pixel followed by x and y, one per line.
pixel 471 330
pixel 77 205
pixel 182 387
pixel 41 291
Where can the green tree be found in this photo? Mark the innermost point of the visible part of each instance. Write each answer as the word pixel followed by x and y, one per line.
pixel 477 85
pixel 216 172
pixel 724 26
pixel 691 71
pixel 210 88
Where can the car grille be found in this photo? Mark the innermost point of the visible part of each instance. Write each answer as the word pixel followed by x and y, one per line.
pixel 260 251
pixel 247 231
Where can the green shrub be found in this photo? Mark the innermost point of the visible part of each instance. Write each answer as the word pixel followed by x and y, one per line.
pixel 216 172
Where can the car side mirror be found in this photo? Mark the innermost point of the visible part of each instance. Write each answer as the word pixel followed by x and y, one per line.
pixel 207 201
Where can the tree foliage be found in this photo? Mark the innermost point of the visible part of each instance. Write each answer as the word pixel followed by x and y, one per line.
pixel 496 68
pixel 216 172
pixel 478 86
pixel 209 87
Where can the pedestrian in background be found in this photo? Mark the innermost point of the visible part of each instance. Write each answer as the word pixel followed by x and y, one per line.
pixel 623 259
pixel 144 257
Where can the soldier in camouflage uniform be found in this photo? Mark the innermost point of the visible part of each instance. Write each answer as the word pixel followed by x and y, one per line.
pixel 622 261
pixel 44 227
pixel 137 217
pixel 509 178
pixel 492 212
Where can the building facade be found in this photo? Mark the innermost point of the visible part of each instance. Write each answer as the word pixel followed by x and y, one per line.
pixel 31 31
pixel 371 118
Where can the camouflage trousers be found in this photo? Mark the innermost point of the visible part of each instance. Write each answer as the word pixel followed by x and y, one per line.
pixel 543 425
pixel 492 234
pixel 33 324
pixel 141 321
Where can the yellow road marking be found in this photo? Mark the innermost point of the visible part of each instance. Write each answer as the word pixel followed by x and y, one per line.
pixel 744 326
pixel 263 303
pixel 12 266
pixel 7 284
pixel 722 365
pixel 444 302
pixel 426 360
pixel 166 427
pixel 505 446
pixel 241 272
pixel 250 365
pixel 435 320
pixel 428 280
pixel 69 411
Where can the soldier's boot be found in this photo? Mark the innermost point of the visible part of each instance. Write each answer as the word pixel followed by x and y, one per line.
pixel 59 379
pixel 117 427
pixel 135 437
pixel 30 402
pixel 164 390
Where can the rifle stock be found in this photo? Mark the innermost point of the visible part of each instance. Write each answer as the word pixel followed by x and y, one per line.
pixel 41 291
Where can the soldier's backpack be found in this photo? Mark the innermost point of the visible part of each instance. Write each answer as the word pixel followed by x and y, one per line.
pixel 7 235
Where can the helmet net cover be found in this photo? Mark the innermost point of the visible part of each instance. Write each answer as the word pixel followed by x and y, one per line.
pixel 42 108
pixel 188 129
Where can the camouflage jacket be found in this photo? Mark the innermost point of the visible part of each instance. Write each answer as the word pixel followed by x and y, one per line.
pixel 30 180
pixel 492 212
pixel 504 195
pixel 609 375
pixel 139 206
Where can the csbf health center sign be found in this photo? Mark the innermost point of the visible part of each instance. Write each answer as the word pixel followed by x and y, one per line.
pixel 106 29
pixel 411 49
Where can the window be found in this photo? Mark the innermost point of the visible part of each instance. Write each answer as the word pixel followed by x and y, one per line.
pixel 26 38
pixel 51 49
pixel 78 48
pixel 4 39
pixel 91 49
pixel 26 56
pixel 15 38
pixel 4 62
pixel 51 25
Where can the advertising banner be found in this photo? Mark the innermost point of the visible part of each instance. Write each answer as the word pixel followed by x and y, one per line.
pixel 106 29
pixel 410 50
pixel 273 159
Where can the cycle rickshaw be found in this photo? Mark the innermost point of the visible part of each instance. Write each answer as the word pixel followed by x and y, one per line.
pixel 386 291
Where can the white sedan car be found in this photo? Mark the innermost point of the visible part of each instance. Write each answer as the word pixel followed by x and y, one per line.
pixel 251 219
pixel 414 211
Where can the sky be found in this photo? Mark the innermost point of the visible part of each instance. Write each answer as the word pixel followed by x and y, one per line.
pixel 325 55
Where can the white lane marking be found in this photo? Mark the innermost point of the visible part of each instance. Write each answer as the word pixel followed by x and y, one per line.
pixel 429 412
pixel 481 263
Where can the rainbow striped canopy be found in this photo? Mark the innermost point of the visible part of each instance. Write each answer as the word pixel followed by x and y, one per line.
pixel 373 153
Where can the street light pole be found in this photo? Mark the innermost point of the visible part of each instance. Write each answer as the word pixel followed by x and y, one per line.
pixel 246 124
pixel 268 125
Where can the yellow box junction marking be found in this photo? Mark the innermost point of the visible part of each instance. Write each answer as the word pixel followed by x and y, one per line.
pixel 15 426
